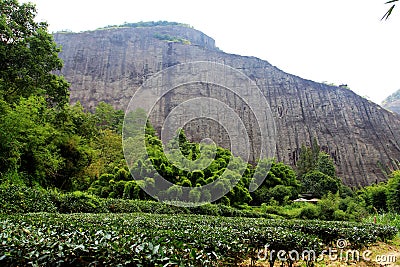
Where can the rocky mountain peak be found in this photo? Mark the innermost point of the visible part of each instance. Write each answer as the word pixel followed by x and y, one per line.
pixel 111 64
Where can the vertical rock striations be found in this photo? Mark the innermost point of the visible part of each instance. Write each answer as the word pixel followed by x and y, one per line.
pixel 109 65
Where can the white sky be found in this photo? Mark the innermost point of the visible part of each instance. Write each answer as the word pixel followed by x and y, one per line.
pixel 337 41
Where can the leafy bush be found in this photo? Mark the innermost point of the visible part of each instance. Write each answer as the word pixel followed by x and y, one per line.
pixel 393 193
pixel 319 184
pixel 121 205
pixel 375 197
pixel 79 202
pixel 22 199
pixel 310 212
pixel 328 205
pixel 340 215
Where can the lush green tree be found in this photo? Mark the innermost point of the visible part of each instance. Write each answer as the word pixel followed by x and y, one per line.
pixel 306 161
pixel 375 197
pixel 281 176
pixel 328 205
pixel 108 118
pixel 109 146
pixel 74 120
pixel 393 193
pixel 319 184
pixel 43 139
pixel 309 211
pixel 311 159
pixel 28 141
pixel 325 164
pixel 281 193
pixel 195 195
pixel 28 56
pixel 317 172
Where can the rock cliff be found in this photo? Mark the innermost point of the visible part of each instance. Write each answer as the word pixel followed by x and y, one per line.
pixel 110 64
pixel 392 102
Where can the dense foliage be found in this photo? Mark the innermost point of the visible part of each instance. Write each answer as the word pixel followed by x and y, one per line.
pixel 15 199
pixel 317 173
pixel 383 197
pixel 147 24
pixel 159 240
pixel 28 56
pixel 170 38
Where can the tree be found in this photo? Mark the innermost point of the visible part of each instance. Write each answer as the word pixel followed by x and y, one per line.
pixel 319 184
pixel 325 164
pixel 306 162
pixel 281 180
pixel 28 56
pixel 393 193
pixel 108 118
pixel 317 172
pixel 28 141
pixel 375 196
pixel 390 10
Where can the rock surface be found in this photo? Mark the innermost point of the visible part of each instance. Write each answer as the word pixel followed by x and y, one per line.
pixel 392 102
pixel 110 65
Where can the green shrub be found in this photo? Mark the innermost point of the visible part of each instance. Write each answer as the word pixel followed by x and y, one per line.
pixel 13 177
pixel 319 184
pixel 195 195
pixel 122 174
pixel 310 211
pixel 165 240
pixel 393 193
pixel 375 197
pixel 340 215
pixel 77 202
pixel 121 205
pixel 227 211
pixel 270 209
pixel 105 178
pixel 207 209
pixel 22 199
pixel 117 188
pixel 328 205
pixel 225 201
pixel 131 190
pixel 281 193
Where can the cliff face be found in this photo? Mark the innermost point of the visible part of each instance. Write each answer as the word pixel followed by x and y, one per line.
pixel 109 65
pixel 392 102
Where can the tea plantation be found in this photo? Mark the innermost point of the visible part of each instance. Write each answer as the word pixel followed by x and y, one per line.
pixel 139 239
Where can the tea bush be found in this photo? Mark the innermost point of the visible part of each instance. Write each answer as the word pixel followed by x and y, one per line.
pixel 22 199
pixel 140 239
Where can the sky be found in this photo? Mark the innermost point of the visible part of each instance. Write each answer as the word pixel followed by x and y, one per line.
pixel 339 42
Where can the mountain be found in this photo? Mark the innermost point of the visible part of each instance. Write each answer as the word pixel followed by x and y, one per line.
pixel 392 102
pixel 110 64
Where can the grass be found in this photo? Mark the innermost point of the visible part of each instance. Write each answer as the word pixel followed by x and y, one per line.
pixel 391 219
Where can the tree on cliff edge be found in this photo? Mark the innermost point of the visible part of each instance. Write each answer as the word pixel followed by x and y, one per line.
pixel 28 56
